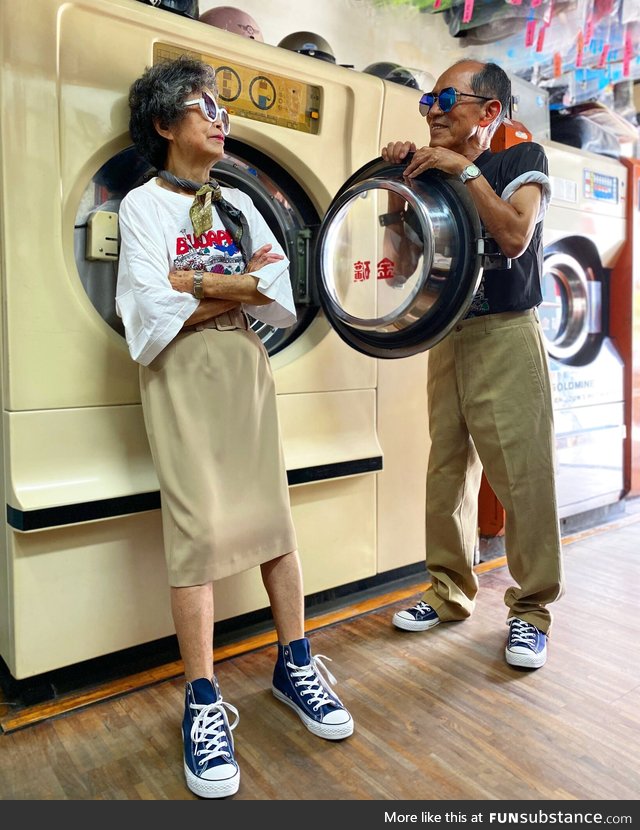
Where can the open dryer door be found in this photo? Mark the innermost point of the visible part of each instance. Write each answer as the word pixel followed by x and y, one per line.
pixel 394 294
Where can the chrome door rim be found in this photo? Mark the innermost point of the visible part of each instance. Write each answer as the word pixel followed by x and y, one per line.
pixel 573 279
pixel 341 205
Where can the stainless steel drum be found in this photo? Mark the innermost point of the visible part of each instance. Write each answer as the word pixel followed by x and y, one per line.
pixel 571 309
pixel 286 208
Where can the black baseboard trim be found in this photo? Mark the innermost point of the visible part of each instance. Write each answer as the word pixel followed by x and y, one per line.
pixel 92 511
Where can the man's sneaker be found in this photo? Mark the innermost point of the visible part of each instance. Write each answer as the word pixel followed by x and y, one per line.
pixel 210 769
pixel 526 646
pixel 419 617
pixel 298 681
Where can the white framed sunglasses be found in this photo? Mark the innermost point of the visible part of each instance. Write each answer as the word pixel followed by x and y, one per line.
pixel 211 110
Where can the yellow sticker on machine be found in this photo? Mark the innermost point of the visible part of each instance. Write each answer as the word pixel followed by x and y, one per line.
pixel 261 96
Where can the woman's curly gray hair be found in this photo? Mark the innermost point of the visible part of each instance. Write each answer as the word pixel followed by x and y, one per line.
pixel 157 97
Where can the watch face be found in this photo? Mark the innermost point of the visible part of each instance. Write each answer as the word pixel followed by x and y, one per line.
pixel 470 172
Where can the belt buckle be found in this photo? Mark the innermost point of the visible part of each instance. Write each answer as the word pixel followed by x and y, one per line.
pixel 234 319
pixel 225 322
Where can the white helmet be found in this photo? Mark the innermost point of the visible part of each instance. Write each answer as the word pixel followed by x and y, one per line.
pixel 233 20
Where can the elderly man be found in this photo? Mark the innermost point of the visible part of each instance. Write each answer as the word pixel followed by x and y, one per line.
pixel 488 381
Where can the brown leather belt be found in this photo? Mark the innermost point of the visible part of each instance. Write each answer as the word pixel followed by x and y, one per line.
pixel 227 321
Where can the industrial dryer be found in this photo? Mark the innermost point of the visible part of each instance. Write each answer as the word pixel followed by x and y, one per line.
pixel 82 571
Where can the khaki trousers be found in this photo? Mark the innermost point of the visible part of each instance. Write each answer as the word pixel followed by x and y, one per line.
pixel 489 402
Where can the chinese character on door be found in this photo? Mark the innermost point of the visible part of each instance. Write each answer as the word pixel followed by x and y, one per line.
pixel 361 270
pixel 386 269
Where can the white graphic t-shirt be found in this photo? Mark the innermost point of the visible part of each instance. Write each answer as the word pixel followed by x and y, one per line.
pixel 157 237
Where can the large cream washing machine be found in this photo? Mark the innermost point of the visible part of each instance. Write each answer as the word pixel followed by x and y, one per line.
pixel 82 570
pixel 584 234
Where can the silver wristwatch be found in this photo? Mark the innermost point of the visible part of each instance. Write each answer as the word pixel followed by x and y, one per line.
pixel 471 171
pixel 198 287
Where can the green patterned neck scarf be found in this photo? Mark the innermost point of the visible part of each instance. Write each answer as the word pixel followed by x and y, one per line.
pixel 201 211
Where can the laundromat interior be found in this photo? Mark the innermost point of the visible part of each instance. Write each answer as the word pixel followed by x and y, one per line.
pixel 81 529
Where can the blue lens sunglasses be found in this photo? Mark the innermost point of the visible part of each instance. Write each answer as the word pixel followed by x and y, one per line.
pixel 446 98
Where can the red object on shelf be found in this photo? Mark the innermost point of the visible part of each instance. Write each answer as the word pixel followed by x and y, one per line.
pixel 510 132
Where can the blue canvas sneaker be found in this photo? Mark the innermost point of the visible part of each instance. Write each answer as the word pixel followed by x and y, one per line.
pixel 210 769
pixel 419 617
pixel 526 645
pixel 298 681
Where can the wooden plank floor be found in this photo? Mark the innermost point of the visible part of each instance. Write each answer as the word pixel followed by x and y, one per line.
pixel 439 715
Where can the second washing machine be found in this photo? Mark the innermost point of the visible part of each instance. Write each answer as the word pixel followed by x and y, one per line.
pixel 584 233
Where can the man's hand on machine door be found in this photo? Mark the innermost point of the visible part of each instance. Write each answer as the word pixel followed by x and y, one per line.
pixel 397 151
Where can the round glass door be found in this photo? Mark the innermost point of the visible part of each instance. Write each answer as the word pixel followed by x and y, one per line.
pixel 571 308
pixel 398 262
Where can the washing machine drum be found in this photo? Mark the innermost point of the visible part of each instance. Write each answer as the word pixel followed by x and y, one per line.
pixel 572 301
pixel 189 8
pixel 394 283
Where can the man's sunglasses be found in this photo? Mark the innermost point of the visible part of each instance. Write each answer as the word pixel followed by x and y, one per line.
pixel 446 98
pixel 211 110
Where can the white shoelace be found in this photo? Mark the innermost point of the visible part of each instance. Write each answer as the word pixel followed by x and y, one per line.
pixel 422 607
pixel 523 632
pixel 314 682
pixel 208 730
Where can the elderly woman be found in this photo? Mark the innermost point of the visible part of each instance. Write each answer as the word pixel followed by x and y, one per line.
pixel 195 259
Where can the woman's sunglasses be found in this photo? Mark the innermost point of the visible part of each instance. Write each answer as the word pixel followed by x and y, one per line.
pixel 211 111
pixel 446 98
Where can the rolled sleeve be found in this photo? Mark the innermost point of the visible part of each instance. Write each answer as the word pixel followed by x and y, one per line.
pixel 274 281
pixel 531 177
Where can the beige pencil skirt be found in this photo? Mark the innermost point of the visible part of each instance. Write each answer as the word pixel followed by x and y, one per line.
pixel 210 412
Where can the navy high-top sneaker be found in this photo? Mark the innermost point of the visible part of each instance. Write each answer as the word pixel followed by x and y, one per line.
pixel 526 645
pixel 298 682
pixel 210 769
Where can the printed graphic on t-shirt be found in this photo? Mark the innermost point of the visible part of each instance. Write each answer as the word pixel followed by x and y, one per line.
pixel 479 303
pixel 213 251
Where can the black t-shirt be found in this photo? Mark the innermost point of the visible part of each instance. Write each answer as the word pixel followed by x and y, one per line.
pixel 517 288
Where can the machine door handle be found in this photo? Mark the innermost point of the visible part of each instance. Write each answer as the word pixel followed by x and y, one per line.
pixel 594 294
pixel 299 242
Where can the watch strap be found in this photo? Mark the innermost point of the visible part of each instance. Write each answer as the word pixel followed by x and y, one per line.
pixel 198 285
